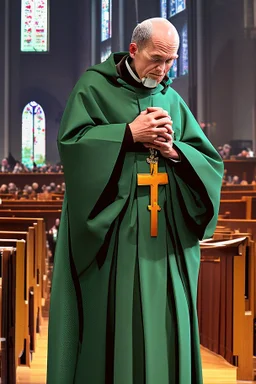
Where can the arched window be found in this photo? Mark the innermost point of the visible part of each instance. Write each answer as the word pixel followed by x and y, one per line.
pixel 34 26
pixel 106 28
pixel 33 135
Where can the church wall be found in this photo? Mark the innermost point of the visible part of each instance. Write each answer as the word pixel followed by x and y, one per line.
pixel 229 72
pixel 2 25
pixel 14 84
pixel 227 62
pixel 47 78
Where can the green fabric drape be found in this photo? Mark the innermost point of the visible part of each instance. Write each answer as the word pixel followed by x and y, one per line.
pixel 132 319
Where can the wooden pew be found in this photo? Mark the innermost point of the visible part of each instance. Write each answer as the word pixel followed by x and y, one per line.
pixel 243 168
pixel 240 225
pixel 14 204
pixel 6 196
pixel 238 187
pixel 7 352
pixel 30 288
pixel 13 307
pixel 238 209
pixel 49 216
pixel 21 224
pixel 236 195
pixel 21 179
pixel 225 316
pixel 29 207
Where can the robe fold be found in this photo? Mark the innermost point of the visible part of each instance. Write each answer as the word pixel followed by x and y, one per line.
pixel 123 303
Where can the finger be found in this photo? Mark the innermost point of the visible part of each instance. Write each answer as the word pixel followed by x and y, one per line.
pixel 162 121
pixel 160 113
pixel 144 112
pixel 169 129
pixel 165 144
pixel 153 109
pixel 169 125
pixel 159 131
pixel 165 136
pixel 160 138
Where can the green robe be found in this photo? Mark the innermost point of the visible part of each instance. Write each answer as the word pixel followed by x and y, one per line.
pixel 123 303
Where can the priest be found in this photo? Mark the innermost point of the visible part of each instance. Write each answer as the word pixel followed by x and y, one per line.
pixel 142 188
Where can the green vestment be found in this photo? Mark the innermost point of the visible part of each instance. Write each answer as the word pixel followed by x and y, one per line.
pixel 123 303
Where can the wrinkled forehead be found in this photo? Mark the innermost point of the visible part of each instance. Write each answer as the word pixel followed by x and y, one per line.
pixel 164 48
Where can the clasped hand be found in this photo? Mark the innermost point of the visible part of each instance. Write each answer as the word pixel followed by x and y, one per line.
pixel 153 128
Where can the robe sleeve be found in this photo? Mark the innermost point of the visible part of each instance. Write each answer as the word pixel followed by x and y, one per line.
pixel 90 145
pixel 198 176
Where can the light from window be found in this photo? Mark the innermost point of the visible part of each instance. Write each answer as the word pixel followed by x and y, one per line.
pixel 184 51
pixel 177 6
pixel 33 135
pixel 164 9
pixel 105 53
pixel 106 19
pixel 34 26
pixel 173 73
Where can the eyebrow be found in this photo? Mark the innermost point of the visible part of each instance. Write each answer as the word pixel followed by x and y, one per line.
pixel 173 57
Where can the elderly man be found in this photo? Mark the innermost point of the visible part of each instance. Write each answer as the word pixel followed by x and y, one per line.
pixel 142 187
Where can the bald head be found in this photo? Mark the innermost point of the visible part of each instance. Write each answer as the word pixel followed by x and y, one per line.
pixel 155 28
pixel 153 49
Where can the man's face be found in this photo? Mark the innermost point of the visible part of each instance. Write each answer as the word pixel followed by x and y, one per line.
pixel 155 59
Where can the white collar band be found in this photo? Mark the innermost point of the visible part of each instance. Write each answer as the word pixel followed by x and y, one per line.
pixel 131 71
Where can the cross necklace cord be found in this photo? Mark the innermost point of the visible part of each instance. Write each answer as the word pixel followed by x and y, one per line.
pixel 153 179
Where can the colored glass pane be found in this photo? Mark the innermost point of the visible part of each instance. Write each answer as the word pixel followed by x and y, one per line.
pixel 105 53
pixel 39 136
pixel 184 51
pixel 164 8
pixel 173 73
pixel 34 26
pixel 27 136
pixel 106 19
pixel 177 6
pixel 33 135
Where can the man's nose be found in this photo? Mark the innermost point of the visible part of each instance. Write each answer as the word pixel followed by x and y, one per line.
pixel 161 66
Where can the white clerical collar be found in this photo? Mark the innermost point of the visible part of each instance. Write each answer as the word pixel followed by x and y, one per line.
pixel 146 81
pixel 131 71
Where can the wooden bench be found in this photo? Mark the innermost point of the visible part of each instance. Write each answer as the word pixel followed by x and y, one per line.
pixel 30 283
pixel 243 168
pixel 238 187
pixel 237 209
pixel 236 195
pixel 21 179
pixel 13 309
pixel 22 224
pixel 13 204
pixel 226 302
pixel 49 216
pixel 240 225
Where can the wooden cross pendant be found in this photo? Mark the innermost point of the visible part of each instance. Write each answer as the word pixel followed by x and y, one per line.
pixel 153 179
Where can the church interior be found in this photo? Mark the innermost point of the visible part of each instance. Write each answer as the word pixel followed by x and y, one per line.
pixel 45 47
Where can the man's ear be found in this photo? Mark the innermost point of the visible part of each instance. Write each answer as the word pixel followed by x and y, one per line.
pixel 133 49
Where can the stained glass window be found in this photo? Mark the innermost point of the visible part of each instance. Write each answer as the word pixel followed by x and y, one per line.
pixel 173 73
pixel 33 135
pixel 184 51
pixel 164 8
pixel 106 19
pixel 106 52
pixel 177 6
pixel 34 26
